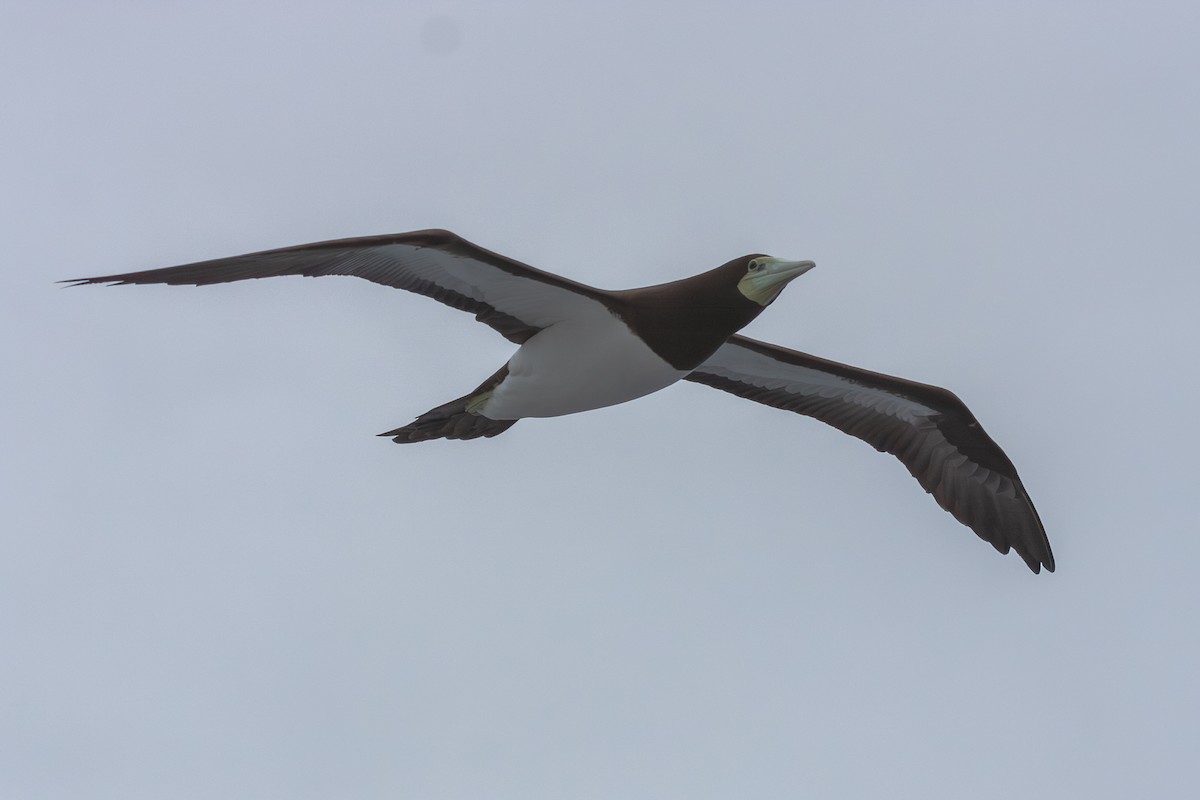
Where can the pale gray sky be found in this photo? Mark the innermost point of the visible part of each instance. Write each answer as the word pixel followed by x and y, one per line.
pixel 217 583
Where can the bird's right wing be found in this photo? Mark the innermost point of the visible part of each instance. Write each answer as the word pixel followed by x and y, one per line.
pixel 514 298
pixel 929 429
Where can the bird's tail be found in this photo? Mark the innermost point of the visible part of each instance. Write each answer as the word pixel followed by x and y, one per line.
pixel 458 419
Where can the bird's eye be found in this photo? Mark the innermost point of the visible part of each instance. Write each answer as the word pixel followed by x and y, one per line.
pixel 755 266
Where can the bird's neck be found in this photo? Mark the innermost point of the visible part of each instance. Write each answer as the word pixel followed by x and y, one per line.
pixel 685 322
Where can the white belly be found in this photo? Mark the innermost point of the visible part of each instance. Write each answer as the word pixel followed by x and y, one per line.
pixel 577 365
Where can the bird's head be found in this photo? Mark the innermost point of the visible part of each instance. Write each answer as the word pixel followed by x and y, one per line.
pixel 766 276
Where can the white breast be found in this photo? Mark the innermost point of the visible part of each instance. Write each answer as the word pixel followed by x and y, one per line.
pixel 590 361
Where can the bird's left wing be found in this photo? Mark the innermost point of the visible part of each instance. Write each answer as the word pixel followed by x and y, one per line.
pixel 514 298
pixel 927 428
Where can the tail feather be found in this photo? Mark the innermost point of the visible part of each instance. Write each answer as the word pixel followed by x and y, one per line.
pixel 457 419
pixel 451 421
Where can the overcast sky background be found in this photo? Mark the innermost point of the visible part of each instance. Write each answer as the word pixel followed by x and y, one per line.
pixel 216 583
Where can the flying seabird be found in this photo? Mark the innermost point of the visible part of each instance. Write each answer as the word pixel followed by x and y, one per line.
pixel 583 348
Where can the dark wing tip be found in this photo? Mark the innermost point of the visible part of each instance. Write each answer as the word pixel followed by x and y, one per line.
pixel 1007 520
pixel 166 275
pixel 1037 554
pixel 1037 563
pixel 1036 566
pixel 1047 561
pixel 72 282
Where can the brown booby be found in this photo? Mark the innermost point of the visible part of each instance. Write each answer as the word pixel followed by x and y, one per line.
pixel 583 348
